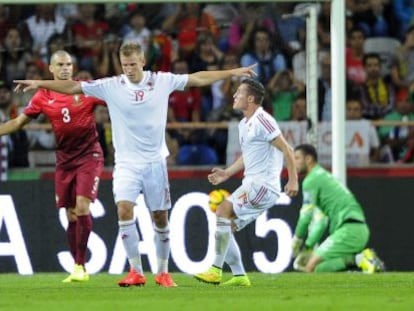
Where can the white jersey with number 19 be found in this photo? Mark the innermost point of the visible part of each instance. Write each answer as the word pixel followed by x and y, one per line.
pixel 138 113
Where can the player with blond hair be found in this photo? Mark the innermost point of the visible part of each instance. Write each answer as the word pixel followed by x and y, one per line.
pixel 138 101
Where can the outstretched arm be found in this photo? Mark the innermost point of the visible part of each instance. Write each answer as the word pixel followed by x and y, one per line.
pixel 14 125
pixel 60 86
pixel 202 78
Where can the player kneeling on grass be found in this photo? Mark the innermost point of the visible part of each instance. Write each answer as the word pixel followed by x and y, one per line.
pixel 263 152
pixel 327 201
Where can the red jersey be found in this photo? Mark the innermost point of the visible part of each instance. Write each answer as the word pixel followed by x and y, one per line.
pixel 183 103
pixel 91 32
pixel 354 68
pixel 73 122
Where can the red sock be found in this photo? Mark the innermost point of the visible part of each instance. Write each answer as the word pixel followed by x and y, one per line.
pixel 83 229
pixel 71 234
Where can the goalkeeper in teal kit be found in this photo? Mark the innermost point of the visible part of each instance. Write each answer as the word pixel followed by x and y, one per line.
pixel 326 202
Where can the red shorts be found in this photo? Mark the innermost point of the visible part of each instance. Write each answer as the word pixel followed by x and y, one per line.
pixel 82 180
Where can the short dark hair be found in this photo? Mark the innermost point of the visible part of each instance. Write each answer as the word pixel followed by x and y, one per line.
pixel 308 149
pixel 371 55
pixel 256 89
pixel 356 29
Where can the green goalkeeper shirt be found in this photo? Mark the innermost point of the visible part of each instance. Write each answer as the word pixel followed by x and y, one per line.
pixel 322 191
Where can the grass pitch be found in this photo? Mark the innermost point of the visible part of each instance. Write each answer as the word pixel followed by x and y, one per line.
pixel 286 291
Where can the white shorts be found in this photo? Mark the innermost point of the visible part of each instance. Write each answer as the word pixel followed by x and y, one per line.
pixel 250 200
pixel 149 179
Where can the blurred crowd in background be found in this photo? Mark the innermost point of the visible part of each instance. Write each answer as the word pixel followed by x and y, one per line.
pixel 189 37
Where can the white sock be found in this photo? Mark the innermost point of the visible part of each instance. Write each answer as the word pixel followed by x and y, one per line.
pixel 358 259
pixel 162 246
pixel 223 232
pixel 233 257
pixel 130 238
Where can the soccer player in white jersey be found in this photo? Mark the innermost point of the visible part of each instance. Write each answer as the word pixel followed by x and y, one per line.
pixel 263 151
pixel 138 101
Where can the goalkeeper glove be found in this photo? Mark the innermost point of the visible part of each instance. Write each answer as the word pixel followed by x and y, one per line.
pixel 296 245
pixel 302 260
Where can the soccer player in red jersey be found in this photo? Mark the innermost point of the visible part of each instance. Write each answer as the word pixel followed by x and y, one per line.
pixel 79 157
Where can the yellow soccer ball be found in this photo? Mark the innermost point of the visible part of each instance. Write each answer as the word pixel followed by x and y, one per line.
pixel 216 197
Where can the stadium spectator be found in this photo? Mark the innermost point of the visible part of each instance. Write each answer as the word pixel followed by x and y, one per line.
pixel 325 90
pixel 5 22
pixel 354 113
pixel 206 56
pixel 283 89
pixel 137 31
pixel 336 205
pixel 69 11
pixel 183 105
pixel 14 57
pixel 107 61
pixel 33 72
pixel 261 143
pixel 371 19
pixel 116 14
pixel 138 129
pixel 223 13
pixel 222 108
pixel 14 147
pixel 161 53
pixel 404 12
pixel 5 94
pixel 252 16
pixel 42 25
pixel 291 28
pixel 188 21
pixel 222 91
pixel 354 55
pixel 409 154
pixel 324 26
pixel 396 136
pixel 79 159
pixel 88 33
pixel 264 53
pixel 41 139
pixel 402 69
pixel 299 108
pixel 377 96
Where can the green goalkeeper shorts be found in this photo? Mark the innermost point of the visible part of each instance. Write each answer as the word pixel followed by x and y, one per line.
pixel 350 238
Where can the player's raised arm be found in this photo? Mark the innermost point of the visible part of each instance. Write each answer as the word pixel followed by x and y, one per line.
pixel 202 78
pixel 61 86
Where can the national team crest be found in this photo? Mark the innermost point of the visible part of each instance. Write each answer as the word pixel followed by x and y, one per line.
pixel 77 101
pixel 243 198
